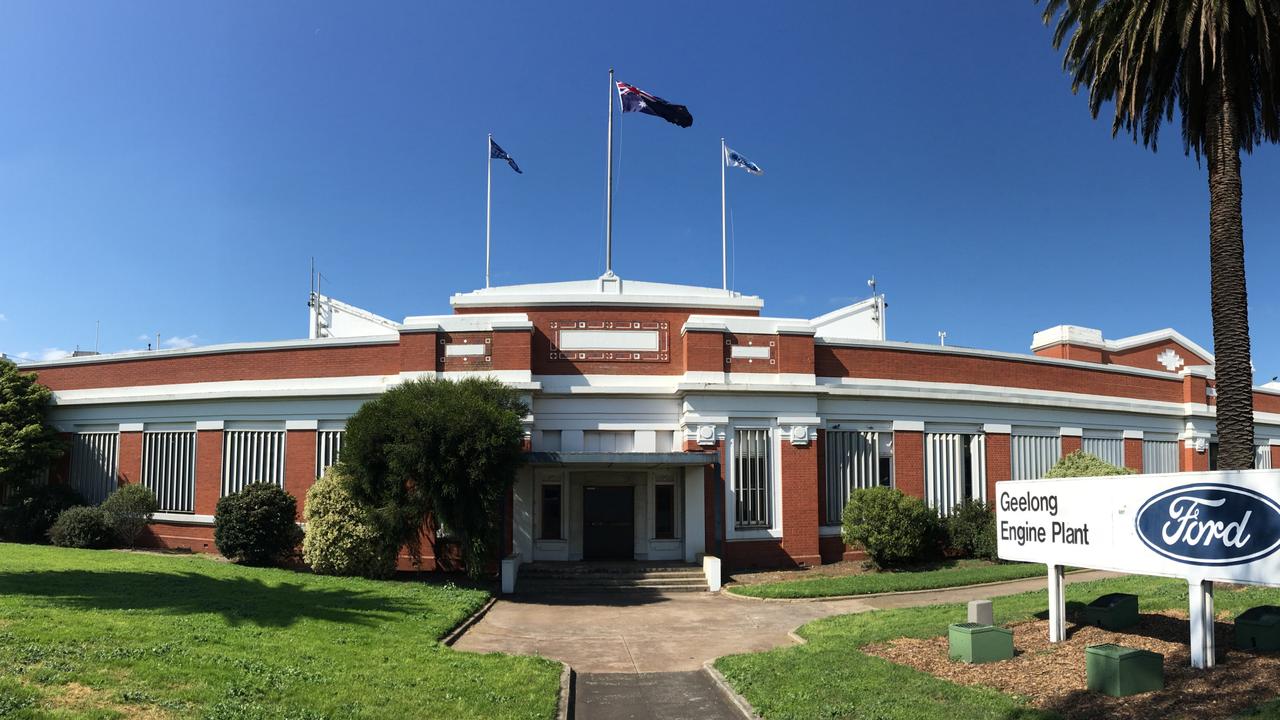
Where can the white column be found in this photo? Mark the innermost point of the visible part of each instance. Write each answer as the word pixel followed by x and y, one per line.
pixel 1057 605
pixel 1200 594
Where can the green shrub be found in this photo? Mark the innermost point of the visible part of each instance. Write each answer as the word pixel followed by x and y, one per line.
pixel 32 509
pixel 256 526
pixel 342 538
pixel 1082 464
pixel 894 528
pixel 128 511
pixel 82 527
pixel 971 529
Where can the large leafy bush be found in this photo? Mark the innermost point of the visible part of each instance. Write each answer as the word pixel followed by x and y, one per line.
pixel 1081 464
pixel 971 529
pixel 32 509
pixel 257 526
pixel 129 510
pixel 894 528
pixel 342 537
pixel 82 527
pixel 28 443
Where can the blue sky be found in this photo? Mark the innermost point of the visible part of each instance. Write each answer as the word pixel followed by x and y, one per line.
pixel 173 167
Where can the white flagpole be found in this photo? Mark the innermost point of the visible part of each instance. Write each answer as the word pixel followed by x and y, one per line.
pixel 608 211
pixel 724 245
pixel 488 203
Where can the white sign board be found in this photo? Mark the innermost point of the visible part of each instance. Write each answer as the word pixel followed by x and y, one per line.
pixel 1217 526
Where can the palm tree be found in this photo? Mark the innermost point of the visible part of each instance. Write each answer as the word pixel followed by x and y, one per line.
pixel 1217 62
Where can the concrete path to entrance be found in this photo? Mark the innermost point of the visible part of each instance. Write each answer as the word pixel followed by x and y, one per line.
pixel 651 696
pixel 628 633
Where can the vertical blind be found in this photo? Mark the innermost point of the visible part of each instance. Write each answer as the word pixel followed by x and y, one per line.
pixel 328 446
pixel 252 456
pixel 169 469
pixel 1033 455
pixel 1262 457
pixel 1159 456
pixel 94 462
pixel 853 462
pixel 955 467
pixel 752 479
pixel 1108 449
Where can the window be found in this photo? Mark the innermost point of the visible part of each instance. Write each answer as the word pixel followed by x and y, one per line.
pixel 251 456
pixel 328 446
pixel 853 462
pixel 664 511
pixel 1159 456
pixel 94 464
pixel 1107 449
pixel 752 479
pixel 609 440
pixel 955 467
pixel 1033 455
pixel 1262 457
pixel 169 469
pixel 1213 456
pixel 551 512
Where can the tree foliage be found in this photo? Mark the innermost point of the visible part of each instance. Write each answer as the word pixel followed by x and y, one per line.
pixel 129 510
pixel 28 444
pixel 342 538
pixel 893 527
pixel 31 510
pixel 437 451
pixel 1081 464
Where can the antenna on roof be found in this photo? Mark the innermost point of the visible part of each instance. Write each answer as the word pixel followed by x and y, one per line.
pixel 878 315
pixel 942 338
pixel 97 334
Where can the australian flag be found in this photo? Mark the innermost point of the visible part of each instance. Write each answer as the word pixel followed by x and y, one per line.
pixel 636 100
pixel 497 153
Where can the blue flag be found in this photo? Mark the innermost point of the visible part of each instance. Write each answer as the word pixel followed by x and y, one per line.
pixel 497 153
pixel 733 159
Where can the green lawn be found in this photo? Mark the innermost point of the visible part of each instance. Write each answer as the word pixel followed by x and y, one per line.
pixel 101 634
pixel 954 574
pixel 830 678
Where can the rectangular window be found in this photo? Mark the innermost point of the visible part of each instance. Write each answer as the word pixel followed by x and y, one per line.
pixel 551 512
pixel 1033 455
pixel 169 469
pixel 94 464
pixel 1262 457
pixel 752 479
pixel 955 467
pixel 664 511
pixel 328 446
pixel 1160 456
pixel 853 462
pixel 251 456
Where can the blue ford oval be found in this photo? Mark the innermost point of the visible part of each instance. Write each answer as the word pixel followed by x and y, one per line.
pixel 1210 524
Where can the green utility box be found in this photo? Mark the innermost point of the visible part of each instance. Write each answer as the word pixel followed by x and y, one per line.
pixel 1115 611
pixel 1259 628
pixel 974 643
pixel 1119 671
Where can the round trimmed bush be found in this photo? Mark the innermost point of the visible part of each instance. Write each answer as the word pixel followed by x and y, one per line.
pixel 1081 464
pixel 256 525
pixel 128 512
pixel 894 528
pixel 32 510
pixel 82 527
pixel 971 529
pixel 342 538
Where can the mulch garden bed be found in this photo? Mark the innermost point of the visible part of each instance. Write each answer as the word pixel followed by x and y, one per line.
pixel 1052 675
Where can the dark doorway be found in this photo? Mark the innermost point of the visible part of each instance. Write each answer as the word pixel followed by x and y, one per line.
pixel 608 518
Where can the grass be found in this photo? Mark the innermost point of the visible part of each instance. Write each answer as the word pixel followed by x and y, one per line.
pixel 954 574
pixel 101 634
pixel 830 678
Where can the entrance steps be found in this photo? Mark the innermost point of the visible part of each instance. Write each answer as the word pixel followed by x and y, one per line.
pixel 609 577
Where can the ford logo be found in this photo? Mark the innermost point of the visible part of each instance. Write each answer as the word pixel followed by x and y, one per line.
pixel 1210 524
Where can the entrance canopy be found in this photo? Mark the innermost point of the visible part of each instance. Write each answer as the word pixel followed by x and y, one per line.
pixel 624 460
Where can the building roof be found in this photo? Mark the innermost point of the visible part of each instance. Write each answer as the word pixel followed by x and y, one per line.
pixel 606 290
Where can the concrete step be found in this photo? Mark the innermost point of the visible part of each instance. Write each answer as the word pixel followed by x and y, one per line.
pixel 556 589
pixel 635 574
pixel 580 578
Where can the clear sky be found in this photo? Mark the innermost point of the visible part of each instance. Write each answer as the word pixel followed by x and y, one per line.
pixel 172 167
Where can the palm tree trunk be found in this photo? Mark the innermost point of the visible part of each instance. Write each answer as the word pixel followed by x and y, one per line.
pixel 1230 303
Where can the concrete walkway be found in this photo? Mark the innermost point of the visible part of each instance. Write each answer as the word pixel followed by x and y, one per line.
pixel 657 633
pixel 651 696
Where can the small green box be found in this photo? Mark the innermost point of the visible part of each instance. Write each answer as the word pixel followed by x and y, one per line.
pixel 1120 671
pixel 974 643
pixel 1259 628
pixel 1115 611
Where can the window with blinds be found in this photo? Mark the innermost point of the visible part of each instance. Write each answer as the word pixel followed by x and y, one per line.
pixel 251 456
pixel 1107 449
pixel 1033 455
pixel 955 469
pixel 852 463
pixel 94 464
pixel 1160 456
pixel 752 479
pixel 328 446
pixel 169 469
pixel 1262 457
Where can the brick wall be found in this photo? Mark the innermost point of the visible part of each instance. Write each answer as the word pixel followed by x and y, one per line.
pixel 908 462
pixel 800 519
pixel 299 465
pixel 208 471
pixel 1133 454
pixel 1192 461
pixel 999 462
pixel 1070 444
pixel 1275 456
pixel 129 459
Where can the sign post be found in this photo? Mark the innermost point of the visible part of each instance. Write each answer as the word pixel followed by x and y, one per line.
pixel 1203 527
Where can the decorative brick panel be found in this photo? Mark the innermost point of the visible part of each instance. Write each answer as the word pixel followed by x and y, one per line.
pixel 208 471
pixel 1133 454
pixel 908 462
pixel 800 518
pixel 464 363
pixel 999 463
pixel 299 465
pixel 770 364
pixel 130 458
